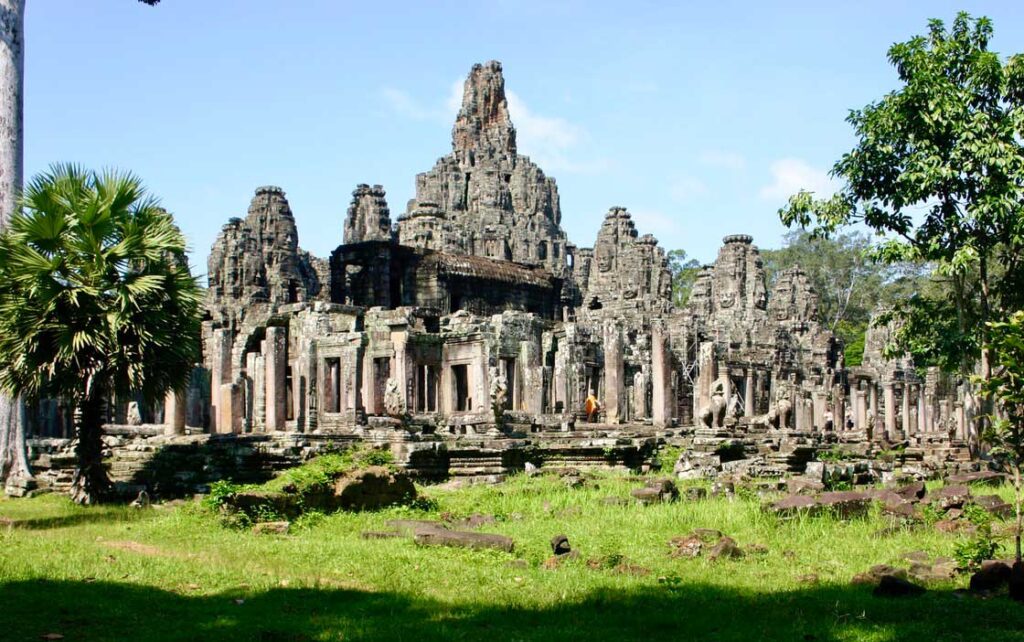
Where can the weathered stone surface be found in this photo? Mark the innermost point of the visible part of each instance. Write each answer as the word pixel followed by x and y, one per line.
pixel 560 545
pixel 992 576
pixel 994 504
pixel 368 216
pixel 891 586
pixel 979 478
pixel 950 497
pixel 846 504
pixel 372 488
pixel 464 539
pixel 686 547
pixel 793 505
pixel 725 548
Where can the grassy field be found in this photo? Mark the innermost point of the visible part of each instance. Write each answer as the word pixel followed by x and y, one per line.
pixel 174 573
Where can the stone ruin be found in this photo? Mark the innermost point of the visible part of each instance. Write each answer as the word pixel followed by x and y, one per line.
pixel 468 332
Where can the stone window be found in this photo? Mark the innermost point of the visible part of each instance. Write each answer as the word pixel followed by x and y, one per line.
pixel 332 384
pixel 381 372
pixel 542 250
pixel 426 389
pixel 508 369
pixel 460 393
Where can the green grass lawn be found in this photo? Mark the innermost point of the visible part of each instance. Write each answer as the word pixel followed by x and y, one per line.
pixel 165 573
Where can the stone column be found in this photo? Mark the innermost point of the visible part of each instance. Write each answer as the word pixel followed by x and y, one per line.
pixel 726 388
pixel 799 411
pixel 889 399
pixel 531 383
pixel 873 405
pixel 706 375
pixel 905 409
pixel 661 378
pixel 818 403
pixel 174 413
pixel 276 362
pixel 220 371
pixel 229 409
pixel 613 372
pixel 861 409
pixel 748 394
pixel 922 414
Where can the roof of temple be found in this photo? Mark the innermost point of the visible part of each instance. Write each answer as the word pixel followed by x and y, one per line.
pixel 480 267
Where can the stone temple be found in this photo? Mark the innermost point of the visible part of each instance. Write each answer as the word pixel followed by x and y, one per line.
pixel 468 331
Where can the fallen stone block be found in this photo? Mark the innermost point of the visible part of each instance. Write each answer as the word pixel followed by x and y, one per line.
pixel 992 576
pixel 464 539
pixel 891 586
pixel 793 505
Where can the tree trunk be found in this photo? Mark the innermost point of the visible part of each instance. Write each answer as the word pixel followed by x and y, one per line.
pixel 14 470
pixel 90 484
pixel 1018 497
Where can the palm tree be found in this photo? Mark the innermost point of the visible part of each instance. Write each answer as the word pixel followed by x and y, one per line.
pixel 96 300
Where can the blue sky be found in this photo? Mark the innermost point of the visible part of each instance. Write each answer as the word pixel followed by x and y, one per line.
pixel 700 117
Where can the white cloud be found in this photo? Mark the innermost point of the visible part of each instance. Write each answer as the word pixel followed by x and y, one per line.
pixel 790 175
pixel 723 159
pixel 551 142
pixel 687 188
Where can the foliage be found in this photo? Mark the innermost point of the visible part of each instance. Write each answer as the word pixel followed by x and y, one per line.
pixel 684 273
pixel 667 457
pixel 938 171
pixel 970 552
pixel 95 291
pixel 1005 432
pixel 96 301
pixel 849 282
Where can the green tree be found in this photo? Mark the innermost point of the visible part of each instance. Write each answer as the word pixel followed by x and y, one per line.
pixel 96 301
pixel 938 169
pixel 14 468
pixel 850 284
pixel 1005 431
pixel 684 272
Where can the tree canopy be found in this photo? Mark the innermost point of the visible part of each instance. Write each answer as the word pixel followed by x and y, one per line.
pixel 938 173
pixel 96 300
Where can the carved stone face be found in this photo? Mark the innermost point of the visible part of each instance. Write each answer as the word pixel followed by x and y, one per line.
pixel 604 262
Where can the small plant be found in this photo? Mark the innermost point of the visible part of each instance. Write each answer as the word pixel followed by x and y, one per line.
pixel 978 516
pixel 930 514
pixel 220 494
pixel 833 455
pixel 667 457
pixel 308 520
pixel 970 552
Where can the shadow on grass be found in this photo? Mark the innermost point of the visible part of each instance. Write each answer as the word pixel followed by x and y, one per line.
pixel 112 611
pixel 94 515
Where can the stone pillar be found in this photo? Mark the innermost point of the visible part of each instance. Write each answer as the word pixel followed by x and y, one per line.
pixel 922 414
pixel 889 399
pixel 706 375
pixel 229 409
pixel 838 409
pixel 861 411
pixel 276 362
pixel 873 406
pixel 818 403
pixel 661 378
pixel 174 413
pixel 531 383
pixel 961 421
pixel 613 372
pixel 220 371
pixel 905 409
pixel 748 393
pixel 726 388
pixel 799 411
